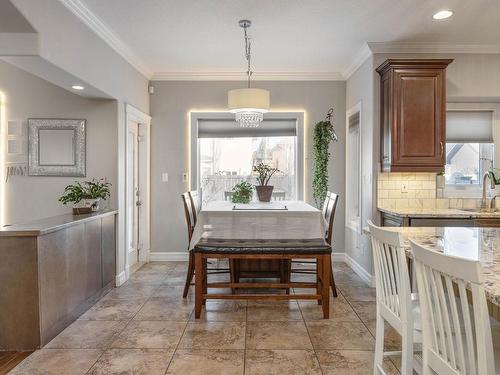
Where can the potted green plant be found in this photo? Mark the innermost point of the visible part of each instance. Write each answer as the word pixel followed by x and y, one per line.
pixel 242 192
pixel 264 174
pixel 86 195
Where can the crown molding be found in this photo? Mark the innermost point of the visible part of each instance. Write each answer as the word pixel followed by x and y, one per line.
pixel 361 56
pixel 95 24
pixel 432 47
pixel 241 76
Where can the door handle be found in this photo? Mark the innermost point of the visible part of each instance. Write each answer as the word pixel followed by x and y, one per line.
pixel 138 203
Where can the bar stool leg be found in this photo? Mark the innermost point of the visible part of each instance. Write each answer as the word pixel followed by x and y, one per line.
pixel 190 274
pixel 332 282
pixel 326 285
pixel 205 279
pixel 319 278
pixel 198 300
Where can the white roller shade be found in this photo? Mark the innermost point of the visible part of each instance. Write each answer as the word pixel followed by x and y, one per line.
pixel 209 128
pixel 469 126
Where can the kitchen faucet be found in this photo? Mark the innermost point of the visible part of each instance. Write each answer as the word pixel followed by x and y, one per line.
pixel 484 200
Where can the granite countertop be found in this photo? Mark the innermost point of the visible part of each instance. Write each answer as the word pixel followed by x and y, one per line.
pixel 50 224
pixel 438 212
pixel 481 244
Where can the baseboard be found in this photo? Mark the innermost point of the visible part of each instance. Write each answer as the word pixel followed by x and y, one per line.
pixel 360 271
pixel 121 278
pixel 168 256
pixel 338 257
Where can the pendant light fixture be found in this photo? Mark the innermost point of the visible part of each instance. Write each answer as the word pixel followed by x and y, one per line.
pixel 248 104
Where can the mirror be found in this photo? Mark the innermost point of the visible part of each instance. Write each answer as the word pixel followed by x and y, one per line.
pixel 56 147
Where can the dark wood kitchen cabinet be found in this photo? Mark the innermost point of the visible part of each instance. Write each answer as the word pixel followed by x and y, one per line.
pixel 413 114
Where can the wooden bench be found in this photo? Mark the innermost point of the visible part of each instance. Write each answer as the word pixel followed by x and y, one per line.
pixel 284 250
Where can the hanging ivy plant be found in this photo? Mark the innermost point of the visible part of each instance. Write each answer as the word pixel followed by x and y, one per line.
pixel 323 135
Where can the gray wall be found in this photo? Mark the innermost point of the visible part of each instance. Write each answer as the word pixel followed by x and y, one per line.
pixel 170 107
pixel 27 96
pixel 360 90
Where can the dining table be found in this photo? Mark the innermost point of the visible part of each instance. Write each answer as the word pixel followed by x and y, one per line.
pixel 259 220
pixel 479 244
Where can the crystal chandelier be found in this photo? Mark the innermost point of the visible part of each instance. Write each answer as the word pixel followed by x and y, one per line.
pixel 249 104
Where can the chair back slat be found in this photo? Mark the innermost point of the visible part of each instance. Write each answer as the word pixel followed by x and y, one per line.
pixel 329 208
pixel 195 199
pixel 457 337
pixel 188 213
pixel 391 274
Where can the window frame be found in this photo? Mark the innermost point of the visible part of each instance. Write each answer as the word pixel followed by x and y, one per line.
pixel 194 152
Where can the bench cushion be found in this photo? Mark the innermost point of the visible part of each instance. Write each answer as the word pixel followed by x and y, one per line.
pixel 252 246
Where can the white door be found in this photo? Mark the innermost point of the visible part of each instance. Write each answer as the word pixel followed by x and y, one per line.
pixel 133 199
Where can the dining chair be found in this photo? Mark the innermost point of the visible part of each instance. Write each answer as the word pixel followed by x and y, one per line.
pixel 228 195
pixel 395 303
pixel 190 223
pixel 328 213
pixel 195 198
pixel 191 202
pixel 457 337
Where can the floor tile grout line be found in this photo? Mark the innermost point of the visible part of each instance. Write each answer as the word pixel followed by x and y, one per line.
pixel 178 343
pixel 245 348
pixel 362 321
pixel 115 336
pixel 309 335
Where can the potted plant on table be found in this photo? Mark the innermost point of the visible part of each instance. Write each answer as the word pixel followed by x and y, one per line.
pixel 242 192
pixel 86 195
pixel 264 174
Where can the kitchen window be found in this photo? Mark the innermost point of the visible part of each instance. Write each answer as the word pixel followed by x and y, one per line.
pixel 469 151
pixel 226 153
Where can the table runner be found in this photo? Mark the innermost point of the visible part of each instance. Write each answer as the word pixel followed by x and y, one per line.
pixel 262 221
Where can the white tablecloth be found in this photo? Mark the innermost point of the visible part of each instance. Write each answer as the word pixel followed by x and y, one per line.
pixel 259 220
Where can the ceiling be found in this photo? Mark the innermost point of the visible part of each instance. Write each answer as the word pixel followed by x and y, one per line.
pixel 288 36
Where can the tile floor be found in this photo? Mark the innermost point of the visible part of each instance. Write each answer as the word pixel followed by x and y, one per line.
pixel 145 327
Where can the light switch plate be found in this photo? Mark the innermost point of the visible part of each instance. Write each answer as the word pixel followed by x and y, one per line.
pixel 404 187
pixel 164 177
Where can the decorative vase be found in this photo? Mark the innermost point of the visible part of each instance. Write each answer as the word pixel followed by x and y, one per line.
pixel 264 193
pixel 86 206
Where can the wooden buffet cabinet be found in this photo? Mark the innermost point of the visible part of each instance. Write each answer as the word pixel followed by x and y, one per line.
pixel 413 114
pixel 52 271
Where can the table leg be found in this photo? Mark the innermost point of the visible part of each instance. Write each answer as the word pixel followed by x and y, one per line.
pixel 319 277
pixel 326 274
pixel 205 279
pixel 199 276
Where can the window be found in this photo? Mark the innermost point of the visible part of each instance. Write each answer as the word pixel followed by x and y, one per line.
pixel 224 162
pixel 469 148
pixel 226 154
pixel 353 169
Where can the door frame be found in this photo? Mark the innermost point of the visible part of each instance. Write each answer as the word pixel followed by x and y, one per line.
pixel 135 115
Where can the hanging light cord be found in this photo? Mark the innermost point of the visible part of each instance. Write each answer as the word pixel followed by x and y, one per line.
pixel 248 53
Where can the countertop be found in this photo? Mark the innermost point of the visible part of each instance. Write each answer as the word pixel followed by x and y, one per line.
pixel 438 212
pixel 50 224
pixel 482 244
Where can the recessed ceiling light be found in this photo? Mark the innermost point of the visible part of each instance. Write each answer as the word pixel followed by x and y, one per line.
pixel 442 14
pixel 77 87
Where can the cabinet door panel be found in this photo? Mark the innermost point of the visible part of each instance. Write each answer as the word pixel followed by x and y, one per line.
pixel 108 250
pixel 420 113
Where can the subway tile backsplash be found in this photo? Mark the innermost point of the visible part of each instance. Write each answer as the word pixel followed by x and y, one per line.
pixel 415 190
